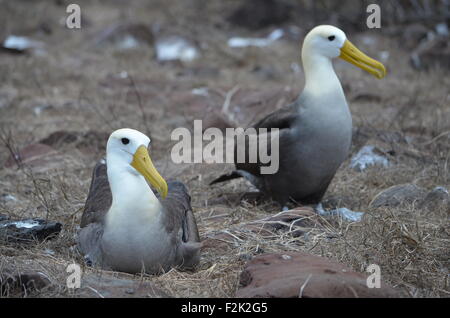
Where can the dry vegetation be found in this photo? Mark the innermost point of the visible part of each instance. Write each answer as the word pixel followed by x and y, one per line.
pixel 80 88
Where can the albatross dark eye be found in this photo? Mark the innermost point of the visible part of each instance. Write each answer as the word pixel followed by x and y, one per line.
pixel 331 38
pixel 125 141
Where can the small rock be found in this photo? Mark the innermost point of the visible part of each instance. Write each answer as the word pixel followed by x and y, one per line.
pixel 368 156
pixel 40 108
pixel 397 195
pixel 345 213
pixel 8 198
pixel 442 29
pixel 34 155
pixel 239 42
pixel 20 44
pixel 201 91
pixel 173 48
pixel 28 230
pixel 292 275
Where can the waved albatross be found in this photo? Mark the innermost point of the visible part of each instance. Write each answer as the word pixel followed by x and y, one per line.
pixel 125 226
pixel 315 131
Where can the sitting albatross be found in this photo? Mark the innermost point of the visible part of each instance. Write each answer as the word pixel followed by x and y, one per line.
pixel 125 227
pixel 315 131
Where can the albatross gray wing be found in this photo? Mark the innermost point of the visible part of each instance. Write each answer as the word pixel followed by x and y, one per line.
pixel 283 119
pixel 292 180
pixel 99 198
pixel 180 223
pixel 97 205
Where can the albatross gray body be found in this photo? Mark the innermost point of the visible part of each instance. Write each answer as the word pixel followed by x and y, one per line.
pixel 314 139
pixel 315 132
pixel 134 246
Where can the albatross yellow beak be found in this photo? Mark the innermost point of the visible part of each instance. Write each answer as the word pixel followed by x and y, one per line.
pixel 144 165
pixel 352 54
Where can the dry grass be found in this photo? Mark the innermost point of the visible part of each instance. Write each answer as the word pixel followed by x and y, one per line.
pixel 81 86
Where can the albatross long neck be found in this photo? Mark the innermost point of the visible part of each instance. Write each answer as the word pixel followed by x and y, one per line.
pixel 131 195
pixel 320 78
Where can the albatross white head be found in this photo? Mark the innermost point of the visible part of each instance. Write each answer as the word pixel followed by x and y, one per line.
pixel 129 167
pixel 324 43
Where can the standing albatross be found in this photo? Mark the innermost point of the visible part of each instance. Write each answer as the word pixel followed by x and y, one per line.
pixel 315 131
pixel 125 226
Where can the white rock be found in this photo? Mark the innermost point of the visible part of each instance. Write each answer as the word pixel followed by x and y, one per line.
pixel 200 91
pixel 27 225
pixel 366 157
pixel 175 48
pixel 238 42
pixel 123 74
pixel 384 56
pixel 128 42
pixel 39 109
pixel 21 224
pixel 20 43
pixel 345 213
pixel 442 29
pixel 9 197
